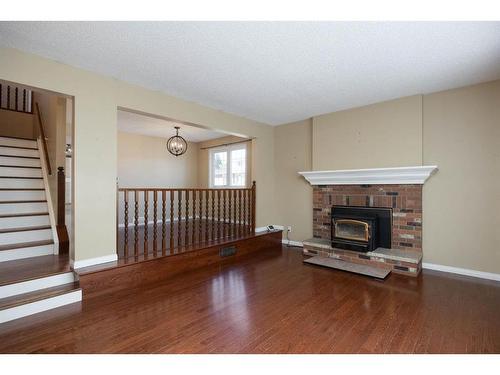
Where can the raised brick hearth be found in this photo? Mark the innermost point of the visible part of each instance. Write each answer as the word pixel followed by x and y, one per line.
pixel 405 200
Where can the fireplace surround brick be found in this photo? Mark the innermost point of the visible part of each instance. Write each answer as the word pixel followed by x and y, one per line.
pixel 405 201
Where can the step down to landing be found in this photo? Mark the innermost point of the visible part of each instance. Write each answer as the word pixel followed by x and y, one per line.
pixel 379 273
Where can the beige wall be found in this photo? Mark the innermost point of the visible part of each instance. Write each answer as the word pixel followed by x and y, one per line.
pixel 457 130
pixel 387 134
pixel 145 162
pixel 461 207
pixel 16 124
pixel 203 165
pixel 96 99
pixel 293 196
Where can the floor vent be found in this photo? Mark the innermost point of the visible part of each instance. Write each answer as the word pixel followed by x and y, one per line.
pixel 227 251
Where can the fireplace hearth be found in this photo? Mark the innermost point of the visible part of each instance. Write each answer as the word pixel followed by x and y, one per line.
pixel 361 229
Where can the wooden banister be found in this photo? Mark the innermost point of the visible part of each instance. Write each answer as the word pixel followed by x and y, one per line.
pixel 193 216
pixel 62 231
pixel 44 140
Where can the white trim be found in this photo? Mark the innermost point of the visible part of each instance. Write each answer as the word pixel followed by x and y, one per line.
pixel 399 175
pixel 52 218
pixel 27 286
pixel 75 264
pixel 292 243
pixel 35 307
pixel 462 271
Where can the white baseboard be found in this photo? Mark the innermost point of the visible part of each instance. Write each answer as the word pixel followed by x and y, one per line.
pixel 75 264
pixel 291 242
pixel 462 271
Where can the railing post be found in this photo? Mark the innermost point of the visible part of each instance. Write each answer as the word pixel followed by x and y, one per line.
pixel 253 205
pixel 62 232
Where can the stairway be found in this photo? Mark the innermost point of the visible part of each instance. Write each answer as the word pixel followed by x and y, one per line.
pixel 27 233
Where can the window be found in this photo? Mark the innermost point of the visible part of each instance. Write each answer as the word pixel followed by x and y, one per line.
pixel 228 166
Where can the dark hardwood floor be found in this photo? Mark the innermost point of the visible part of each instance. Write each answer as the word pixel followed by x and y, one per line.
pixel 270 302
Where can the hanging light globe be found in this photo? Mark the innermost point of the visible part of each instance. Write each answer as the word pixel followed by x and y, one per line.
pixel 177 145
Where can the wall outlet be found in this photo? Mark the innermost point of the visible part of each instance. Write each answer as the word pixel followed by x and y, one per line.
pixel 289 229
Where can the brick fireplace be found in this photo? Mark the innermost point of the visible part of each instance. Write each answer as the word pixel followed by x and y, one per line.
pixel 405 201
pixel 358 192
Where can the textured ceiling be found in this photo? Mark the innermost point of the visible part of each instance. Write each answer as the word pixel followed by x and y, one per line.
pixel 139 124
pixel 273 72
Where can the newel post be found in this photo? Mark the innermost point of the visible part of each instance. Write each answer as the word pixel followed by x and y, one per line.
pixel 253 205
pixel 62 232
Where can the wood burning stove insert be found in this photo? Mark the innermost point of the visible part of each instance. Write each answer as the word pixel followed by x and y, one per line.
pixel 361 228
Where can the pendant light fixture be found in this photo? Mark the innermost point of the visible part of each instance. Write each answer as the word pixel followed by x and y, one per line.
pixel 177 145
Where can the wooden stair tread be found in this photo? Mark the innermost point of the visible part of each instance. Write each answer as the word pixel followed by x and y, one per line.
pixel 14 271
pixel 19 147
pixel 26 201
pixel 19 156
pixel 22 299
pixel 25 244
pixel 3 216
pixel 22 189
pixel 25 229
pixel 23 177
pixel 379 273
pixel 23 138
pixel 18 166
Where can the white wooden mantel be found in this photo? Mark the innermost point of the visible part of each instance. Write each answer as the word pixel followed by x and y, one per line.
pixel 373 176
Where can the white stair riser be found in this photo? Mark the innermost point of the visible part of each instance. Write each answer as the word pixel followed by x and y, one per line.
pixel 21 195
pixel 21 311
pixel 4 160
pixel 20 172
pixel 20 183
pixel 4 141
pixel 25 236
pixel 18 208
pixel 19 152
pixel 28 286
pixel 24 221
pixel 26 252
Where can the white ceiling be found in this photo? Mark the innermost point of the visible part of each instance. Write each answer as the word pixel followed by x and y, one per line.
pixel 274 72
pixel 139 124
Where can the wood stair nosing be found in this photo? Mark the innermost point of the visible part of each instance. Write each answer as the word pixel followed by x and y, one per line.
pixel 22 189
pixel 41 294
pixel 3 216
pixel 19 147
pixel 23 138
pixel 19 166
pixel 19 156
pixel 21 245
pixel 26 201
pixel 23 177
pixel 25 229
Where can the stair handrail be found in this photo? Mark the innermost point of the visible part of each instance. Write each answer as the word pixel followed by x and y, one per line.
pixel 43 138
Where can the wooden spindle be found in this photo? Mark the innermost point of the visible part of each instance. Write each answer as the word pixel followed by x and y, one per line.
pixel 24 100
pixel 163 222
pixel 235 209
pixel 1 95
pixel 179 219
pixel 239 212
pixel 218 215
pixel 212 221
pixel 200 214
pixel 244 193
pixel 16 98
pixel 155 217
pixel 146 209
pixel 206 215
pixel 229 213
pixel 171 222
pixel 136 223
pixel 125 224
pixel 186 226
pixel 193 223
pixel 8 97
